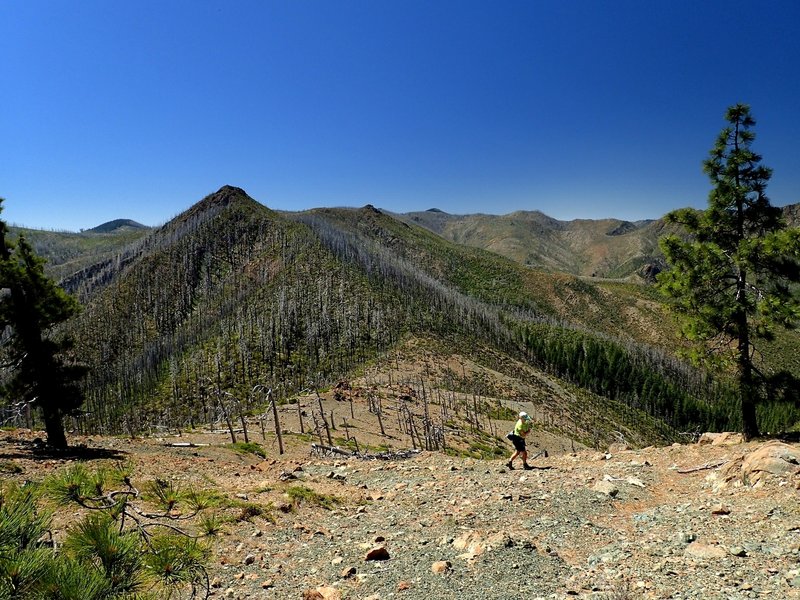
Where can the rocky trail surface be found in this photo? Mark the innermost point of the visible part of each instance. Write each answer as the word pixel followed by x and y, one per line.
pixel 717 520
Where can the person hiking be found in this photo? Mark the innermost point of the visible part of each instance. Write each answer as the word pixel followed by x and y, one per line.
pixel 522 428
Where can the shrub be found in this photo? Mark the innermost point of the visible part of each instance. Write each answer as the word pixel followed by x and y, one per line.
pixel 116 551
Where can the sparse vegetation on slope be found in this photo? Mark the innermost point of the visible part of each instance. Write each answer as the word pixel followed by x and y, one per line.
pixel 197 322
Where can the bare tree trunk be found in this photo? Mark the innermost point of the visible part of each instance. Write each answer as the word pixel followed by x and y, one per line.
pixel 277 422
pixel 227 420
pixel 300 416
pixel 244 426
pixel 322 416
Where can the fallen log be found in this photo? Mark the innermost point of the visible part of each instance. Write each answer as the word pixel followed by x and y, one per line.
pixel 185 445
pixel 703 467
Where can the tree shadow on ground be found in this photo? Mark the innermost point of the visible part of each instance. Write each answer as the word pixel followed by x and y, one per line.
pixel 17 448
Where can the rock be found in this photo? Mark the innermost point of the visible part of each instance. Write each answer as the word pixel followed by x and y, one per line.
pixel 775 458
pixel 377 553
pixel 737 551
pixel 441 566
pixel 348 572
pixel 403 585
pixel 707 438
pixel 267 584
pixel 322 593
pixel 705 551
pixel 471 543
pixel 606 487
pixel 249 559
pixel 728 438
pixel 720 509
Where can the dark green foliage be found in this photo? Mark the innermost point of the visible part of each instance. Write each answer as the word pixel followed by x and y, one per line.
pixel 70 579
pixel 23 560
pixel 176 562
pixel 250 448
pixel 97 540
pixel 652 382
pixel 164 493
pixel 22 522
pixel 301 493
pixel 40 372
pixel 116 551
pixel 736 276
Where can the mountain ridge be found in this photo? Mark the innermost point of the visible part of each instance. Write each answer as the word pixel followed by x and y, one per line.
pixel 183 324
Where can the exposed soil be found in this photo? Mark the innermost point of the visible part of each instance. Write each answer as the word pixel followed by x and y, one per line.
pixel 682 521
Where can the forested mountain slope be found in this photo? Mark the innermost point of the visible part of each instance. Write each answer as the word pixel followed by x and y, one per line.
pixel 193 323
pixel 69 252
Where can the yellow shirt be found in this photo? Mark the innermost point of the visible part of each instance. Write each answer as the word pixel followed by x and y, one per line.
pixel 523 427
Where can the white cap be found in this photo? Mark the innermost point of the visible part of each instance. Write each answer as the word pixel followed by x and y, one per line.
pixel 523 415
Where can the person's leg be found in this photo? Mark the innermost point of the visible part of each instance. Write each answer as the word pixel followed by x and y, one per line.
pixel 524 455
pixel 510 463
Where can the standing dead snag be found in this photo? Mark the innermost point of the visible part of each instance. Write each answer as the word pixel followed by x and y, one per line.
pixel 375 408
pixel 322 416
pixel 273 405
pixel 277 422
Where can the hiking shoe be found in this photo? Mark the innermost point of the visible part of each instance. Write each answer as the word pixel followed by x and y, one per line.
pixel 510 465
pixel 527 467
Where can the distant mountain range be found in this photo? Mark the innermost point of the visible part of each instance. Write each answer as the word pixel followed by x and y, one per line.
pixel 607 248
pixel 604 248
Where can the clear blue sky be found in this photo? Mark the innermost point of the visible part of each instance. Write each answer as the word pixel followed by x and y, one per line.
pixel 577 108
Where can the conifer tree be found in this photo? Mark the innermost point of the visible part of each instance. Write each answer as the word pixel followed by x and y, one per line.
pixel 735 276
pixel 31 305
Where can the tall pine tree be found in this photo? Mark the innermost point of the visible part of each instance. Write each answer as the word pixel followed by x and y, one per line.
pixel 735 276
pixel 37 369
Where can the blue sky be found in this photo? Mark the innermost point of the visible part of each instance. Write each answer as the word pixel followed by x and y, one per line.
pixel 580 109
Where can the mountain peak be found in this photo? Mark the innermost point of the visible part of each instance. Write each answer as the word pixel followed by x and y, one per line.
pixel 223 198
pixel 225 195
pixel 116 225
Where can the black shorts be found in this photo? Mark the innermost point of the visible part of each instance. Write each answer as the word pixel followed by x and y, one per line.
pixel 518 441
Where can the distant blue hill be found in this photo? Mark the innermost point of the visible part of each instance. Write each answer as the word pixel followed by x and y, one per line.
pixel 116 225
